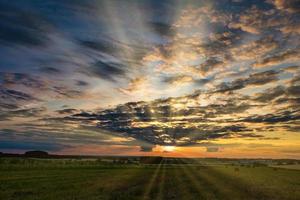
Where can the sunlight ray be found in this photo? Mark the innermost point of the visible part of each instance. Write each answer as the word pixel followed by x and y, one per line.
pixel 152 182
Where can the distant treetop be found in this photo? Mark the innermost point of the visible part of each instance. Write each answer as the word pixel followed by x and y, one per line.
pixel 36 153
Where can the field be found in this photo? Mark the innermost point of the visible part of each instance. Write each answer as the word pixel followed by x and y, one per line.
pixel 41 179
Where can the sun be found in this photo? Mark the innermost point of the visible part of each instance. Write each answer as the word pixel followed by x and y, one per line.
pixel 169 148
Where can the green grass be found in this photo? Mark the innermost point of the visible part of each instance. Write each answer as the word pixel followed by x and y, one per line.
pixel 295 166
pixel 64 179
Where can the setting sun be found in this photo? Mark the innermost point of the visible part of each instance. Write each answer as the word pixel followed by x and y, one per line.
pixel 169 148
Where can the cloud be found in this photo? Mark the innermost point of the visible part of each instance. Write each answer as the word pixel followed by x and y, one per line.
pixel 255 49
pixel 292 28
pixel 67 111
pixel 81 83
pixel 87 50
pixel 22 79
pixel 51 70
pixel 262 78
pixel 255 20
pixel 107 47
pixel 134 85
pixel 255 79
pixel 7 106
pixel 22 27
pixel 295 80
pixel 294 90
pixel 178 80
pixel 209 65
pixel 292 69
pixel 35 84
pixel 289 55
pixel 107 70
pixel 165 122
pixel 273 118
pixel 163 29
pixel 21 112
pixel 270 94
pixel 13 96
pixel 287 5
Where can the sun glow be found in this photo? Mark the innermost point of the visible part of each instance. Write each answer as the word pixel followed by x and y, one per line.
pixel 169 148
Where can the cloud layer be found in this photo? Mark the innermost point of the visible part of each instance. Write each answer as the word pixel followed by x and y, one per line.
pixel 149 73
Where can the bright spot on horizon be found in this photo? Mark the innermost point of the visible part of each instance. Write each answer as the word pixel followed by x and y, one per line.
pixel 169 148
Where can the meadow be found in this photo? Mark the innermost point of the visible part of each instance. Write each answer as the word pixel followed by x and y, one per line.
pixel 70 179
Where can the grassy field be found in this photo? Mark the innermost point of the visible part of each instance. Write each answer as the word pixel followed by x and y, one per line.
pixel 288 166
pixel 64 179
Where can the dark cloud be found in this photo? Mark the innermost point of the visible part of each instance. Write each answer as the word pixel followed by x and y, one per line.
pixel 280 95
pixel 178 80
pixel 107 70
pixel 202 81
pixel 8 95
pixel 292 54
pixel 63 91
pixel 107 47
pixel 8 106
pixel 145 122
pixel 293 128
pixel 28 112
pixel 235 85
pixel 22 79
pixel 24 113
pixel 127 54
pixel 293 101
pixel 294 90
pixel 262 78
pixel 67 111
pixel 273 118
pixel 259 78
pixel 35 84
pixel 162 28
pixel 210 64
pixel 270 94
pixel 81 83
pixel 21 26
pixel 51 70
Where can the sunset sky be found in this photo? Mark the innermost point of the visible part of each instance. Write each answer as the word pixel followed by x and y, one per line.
pixel 172 78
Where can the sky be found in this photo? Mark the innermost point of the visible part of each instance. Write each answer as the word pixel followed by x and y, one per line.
pixel 218 78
